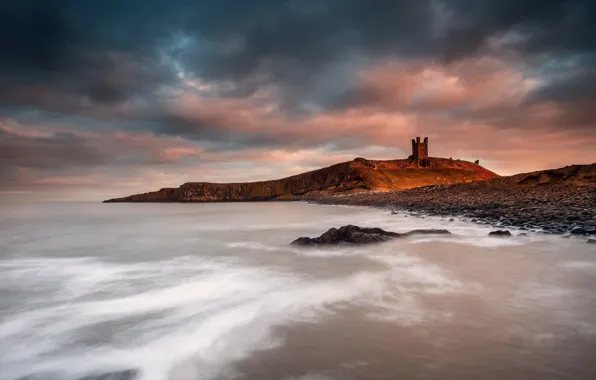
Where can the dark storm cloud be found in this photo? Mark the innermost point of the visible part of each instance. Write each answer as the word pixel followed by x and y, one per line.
pixel 27 150
pixel 131 62
pixel 52 151
pixel 42 153
pixel 569 81
pixel 80 47
pixel 59 54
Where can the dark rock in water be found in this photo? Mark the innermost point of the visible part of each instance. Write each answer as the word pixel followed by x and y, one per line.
pixel 499 233
pixel 591 241
pixel 360 235
pixel 302 241
pixel 452 220
pixel 578 231
pixel 590 229
pixel 522 234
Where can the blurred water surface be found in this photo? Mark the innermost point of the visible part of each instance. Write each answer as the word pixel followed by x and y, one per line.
pixel 215 291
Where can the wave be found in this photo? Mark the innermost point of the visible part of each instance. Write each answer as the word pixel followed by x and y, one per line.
pixel 193 328
pixel 188 317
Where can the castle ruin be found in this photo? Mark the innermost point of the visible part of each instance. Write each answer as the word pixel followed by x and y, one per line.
pixel 420 151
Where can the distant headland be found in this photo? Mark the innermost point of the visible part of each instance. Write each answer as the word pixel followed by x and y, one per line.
pixel 358 175
pixel 555 201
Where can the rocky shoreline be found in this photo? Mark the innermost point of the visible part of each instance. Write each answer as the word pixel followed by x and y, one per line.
pixel 560 201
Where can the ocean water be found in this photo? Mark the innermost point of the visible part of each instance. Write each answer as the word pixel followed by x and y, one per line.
pixel 215 291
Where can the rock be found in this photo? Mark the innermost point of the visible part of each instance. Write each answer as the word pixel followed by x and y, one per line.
pixel 452 220
pixel 591 241
pixel 578 231
pixel 590 229
pixel 360 235
pixel 302 241
pixel 499 233
pixel 522 234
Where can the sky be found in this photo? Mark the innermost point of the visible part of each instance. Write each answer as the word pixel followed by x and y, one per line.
pixel 100 99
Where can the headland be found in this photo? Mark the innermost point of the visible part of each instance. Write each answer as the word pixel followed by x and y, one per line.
pixel 552 201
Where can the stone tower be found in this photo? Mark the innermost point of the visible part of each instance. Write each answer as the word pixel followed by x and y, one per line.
pixel 420 150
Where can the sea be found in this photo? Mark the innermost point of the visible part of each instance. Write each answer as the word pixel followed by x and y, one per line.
pixel 92 291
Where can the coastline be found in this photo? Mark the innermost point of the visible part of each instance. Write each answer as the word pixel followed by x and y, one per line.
pixel 356 175
pixel 558 201
pixel 560 209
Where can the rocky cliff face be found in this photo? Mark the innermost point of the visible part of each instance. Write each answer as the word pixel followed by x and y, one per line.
pixel 352 176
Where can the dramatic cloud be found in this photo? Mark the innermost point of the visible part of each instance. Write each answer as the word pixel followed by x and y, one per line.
pixel 120 96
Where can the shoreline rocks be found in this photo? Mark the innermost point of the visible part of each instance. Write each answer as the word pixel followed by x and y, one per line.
pixel 564 200
pixel 499 233
pixel 360 235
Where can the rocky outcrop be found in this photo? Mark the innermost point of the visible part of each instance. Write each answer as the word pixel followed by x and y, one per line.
pixel 353 176
pixel 553 201
pixel 360 235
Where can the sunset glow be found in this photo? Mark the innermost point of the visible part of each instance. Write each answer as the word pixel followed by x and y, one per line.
pixel 101 101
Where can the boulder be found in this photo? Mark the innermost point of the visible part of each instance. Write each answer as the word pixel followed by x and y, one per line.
pixel 499 233
pixel 591 241
pixel 578 231
pixel 360 235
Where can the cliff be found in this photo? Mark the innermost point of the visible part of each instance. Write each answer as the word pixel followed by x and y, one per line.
pixel 346 177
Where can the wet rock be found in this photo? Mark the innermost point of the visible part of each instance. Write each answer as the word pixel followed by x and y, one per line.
pixel 578 231
pixel 522 234
pixel 591 241
pixel 360 235
pixel 302 241
pixel 499 233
